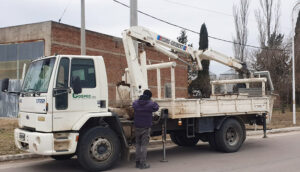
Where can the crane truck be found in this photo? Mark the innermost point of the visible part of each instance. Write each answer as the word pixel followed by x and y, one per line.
pixel 64 110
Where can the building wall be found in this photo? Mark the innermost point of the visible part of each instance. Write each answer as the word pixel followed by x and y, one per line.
pixel 27 33
pixel 14 39
pixel 13 56
pixel 66 40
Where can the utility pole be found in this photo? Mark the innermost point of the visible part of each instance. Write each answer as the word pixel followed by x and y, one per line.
pixel 82 42
pixel 133 13
pixel 295 9
pixel 134 19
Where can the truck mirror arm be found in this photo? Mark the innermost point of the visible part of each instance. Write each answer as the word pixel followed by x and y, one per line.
pixel 61 91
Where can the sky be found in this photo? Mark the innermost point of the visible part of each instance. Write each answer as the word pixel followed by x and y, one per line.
pixel 108 17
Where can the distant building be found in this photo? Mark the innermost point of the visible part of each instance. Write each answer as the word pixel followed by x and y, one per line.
pixel 212 76
pixel 229 74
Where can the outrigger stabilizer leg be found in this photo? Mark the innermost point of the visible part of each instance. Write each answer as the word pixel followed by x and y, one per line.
pixel 265 125
pixel 164 116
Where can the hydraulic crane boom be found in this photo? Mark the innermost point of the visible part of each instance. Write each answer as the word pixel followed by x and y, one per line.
pixel 138 71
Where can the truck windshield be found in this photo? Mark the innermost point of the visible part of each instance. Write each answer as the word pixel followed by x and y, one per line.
pixel 38 76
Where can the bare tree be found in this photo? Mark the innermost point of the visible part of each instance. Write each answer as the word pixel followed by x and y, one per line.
pixel 261 28
pixel 240 14
pixel 267 17
pixel 274 55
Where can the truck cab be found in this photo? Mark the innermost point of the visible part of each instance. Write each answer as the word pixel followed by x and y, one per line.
pixel 54 106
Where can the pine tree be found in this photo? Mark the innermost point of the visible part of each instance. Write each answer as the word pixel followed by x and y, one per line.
pixel 200 87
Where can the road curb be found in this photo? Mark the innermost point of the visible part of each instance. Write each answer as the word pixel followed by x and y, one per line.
pixel 152 143
pixel 273 131
pixel 20 156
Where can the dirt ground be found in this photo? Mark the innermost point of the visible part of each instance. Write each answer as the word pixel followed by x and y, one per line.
pixel 280 120
pixel 7 144
pixel 7 125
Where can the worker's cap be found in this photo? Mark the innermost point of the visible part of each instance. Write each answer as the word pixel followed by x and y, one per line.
pixel 147 93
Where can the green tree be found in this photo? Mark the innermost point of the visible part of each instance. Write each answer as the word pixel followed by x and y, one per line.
pixel 275 59
pixel 200 87
pixel 274 56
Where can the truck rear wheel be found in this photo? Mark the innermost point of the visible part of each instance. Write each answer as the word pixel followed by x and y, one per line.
pixel 230 137
pixel 180 139
pixel 212 141
pixel 99 149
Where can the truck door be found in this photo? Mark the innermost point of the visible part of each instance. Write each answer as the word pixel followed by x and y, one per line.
pixel 71 107
pixel 61 93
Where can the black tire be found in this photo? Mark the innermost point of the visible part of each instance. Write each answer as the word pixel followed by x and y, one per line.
pixel 173 138
pixel 180 139
pixel 62 157
pixel 230 137
pixel 212 141
pixel 99 149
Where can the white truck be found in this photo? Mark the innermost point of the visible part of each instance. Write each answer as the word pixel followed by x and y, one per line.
pixel 64 111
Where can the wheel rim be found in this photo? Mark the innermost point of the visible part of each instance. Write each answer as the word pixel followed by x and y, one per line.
pixel 232 136
pixel 101 149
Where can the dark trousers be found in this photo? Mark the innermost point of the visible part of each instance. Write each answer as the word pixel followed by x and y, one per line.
pixel 142 137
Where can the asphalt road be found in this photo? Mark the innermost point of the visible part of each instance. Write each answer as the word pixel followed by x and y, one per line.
pixel 279 152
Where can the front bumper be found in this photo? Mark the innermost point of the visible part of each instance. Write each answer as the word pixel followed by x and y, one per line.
pixel 46 143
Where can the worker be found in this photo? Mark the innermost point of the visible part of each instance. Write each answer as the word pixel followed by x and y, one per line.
pixel 143 108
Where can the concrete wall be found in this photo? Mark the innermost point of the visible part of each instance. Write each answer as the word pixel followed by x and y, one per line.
pixel 27 33
pixel 18 35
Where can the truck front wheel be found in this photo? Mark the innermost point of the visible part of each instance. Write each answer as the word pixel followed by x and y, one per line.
pixel 230 137
pixel 99 149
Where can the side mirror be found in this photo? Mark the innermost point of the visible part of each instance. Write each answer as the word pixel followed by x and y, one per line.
pixel 76 85
pixel 5 84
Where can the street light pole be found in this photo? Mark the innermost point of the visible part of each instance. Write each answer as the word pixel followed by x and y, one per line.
pixel 134 19
pixel 133 13
pixel 82 42
pixel 296 6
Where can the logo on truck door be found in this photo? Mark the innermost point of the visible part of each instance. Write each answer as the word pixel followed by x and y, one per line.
pixel 83 96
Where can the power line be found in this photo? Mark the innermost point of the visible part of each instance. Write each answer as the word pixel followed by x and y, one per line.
pixel 64 11
pixel 198 8
pixel 211 11
pixel 192 31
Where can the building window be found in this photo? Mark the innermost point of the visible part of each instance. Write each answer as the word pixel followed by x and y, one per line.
pixel 14 56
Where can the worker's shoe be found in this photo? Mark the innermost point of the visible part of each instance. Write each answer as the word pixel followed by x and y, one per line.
pixel 137 164
pixel 144 165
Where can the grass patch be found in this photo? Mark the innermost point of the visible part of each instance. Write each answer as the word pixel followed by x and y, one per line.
pixel 279 120
pixel 7 143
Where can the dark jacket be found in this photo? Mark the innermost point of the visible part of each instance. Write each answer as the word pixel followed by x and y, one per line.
pixel 143 112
